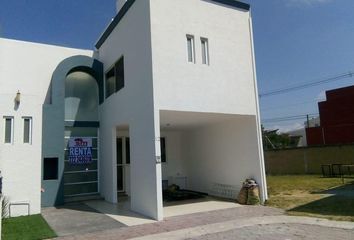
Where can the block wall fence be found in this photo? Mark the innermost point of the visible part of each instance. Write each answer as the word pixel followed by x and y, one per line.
pixel 307 160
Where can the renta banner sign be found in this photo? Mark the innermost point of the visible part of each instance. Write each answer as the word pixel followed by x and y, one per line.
pixel 80 151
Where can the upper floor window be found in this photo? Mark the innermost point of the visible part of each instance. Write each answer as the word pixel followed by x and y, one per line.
pixel 205 50
pixel 115 78
pixel 190 49
pixel 9 131
pixel 110 82
pixel 27 130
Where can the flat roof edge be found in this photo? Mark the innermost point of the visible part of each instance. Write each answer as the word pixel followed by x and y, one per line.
pixel 44 44
pixel 114 23
pixel 129 3
pixel 235 3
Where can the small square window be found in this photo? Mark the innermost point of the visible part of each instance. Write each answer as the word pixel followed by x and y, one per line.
pixel 190 49
pixel 50 169
pixel 205 51
pixel 9 131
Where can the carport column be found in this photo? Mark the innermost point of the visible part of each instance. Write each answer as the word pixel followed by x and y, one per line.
pixel 158 165
pixel 146 185
pixel 263 183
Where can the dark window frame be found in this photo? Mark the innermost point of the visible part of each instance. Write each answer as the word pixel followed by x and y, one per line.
pixel 205 50
pixel 118 73
pixel 27 133
pixel 110 73
pixel 9 136
pixel 191 58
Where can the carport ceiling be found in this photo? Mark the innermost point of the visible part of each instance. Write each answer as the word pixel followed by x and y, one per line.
pixel 178 120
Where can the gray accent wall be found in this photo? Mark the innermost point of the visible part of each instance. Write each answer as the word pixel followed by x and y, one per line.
pixel 54 123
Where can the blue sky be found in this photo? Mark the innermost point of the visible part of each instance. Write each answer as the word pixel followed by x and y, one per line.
pixel 299 41
pixel 296 41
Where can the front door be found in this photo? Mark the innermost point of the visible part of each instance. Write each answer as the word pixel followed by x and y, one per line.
pixel 123 162
pixel 120 166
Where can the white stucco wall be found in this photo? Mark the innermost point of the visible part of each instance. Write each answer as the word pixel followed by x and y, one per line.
pixel 223 153
pixel 226 85
pixel 133 106
pixel 152 39
pixel 174 168
pixel 26 67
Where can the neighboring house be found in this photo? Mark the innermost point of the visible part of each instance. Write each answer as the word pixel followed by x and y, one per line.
pixel 299 135
pixel 273 139
pixel 313 122
pixel 166 95
pixel 337 119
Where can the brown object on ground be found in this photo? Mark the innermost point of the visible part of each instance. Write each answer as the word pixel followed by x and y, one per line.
pixel 242 196
pixel 253 195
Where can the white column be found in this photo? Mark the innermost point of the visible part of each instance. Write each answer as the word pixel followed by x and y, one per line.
pixel 146 185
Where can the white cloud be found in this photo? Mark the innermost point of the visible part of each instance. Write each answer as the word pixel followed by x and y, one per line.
pixel 321 96
pixel 306 2
pixel 288 127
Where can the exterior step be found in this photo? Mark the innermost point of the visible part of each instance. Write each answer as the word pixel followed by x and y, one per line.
pixel 83 198
pixel 122 194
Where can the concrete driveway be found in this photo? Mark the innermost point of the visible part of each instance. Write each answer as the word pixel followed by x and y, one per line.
pixel 248 223
pixel 98 215
pixel 78 218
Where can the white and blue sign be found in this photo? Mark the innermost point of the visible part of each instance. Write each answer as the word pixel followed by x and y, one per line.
pixel 80 151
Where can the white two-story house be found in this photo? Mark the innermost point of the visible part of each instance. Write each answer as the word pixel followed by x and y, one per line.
pixel 168 96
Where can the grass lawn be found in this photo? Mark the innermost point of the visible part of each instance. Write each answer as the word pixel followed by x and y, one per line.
pixel 312 195
pixel 26 228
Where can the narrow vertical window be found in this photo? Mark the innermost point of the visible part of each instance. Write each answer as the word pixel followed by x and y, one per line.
pixel 190 49
pixel 205 51
pixel 115 78
pixel 127 150
pixel 119 68
pixel 8 129
pixel 163 149
pixel 27 130
pixel 110 82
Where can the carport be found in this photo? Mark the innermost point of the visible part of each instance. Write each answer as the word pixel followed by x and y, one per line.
pixel 211 153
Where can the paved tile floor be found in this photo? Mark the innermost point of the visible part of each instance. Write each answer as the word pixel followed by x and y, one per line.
pixel 281 232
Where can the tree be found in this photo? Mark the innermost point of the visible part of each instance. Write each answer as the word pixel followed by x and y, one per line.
pixel 274 140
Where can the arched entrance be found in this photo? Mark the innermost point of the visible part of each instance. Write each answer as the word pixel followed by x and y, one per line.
pixel 70 131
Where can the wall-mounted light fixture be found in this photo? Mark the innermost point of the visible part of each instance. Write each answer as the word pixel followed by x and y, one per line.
pixel 18 97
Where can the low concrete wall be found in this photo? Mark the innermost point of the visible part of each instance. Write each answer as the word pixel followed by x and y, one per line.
pixel 307 160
